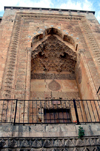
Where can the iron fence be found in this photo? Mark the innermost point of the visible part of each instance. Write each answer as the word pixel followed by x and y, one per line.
pixel 7 110
pixel 49 111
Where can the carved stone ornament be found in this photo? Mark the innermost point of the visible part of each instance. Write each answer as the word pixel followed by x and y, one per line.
pixel 53 55
pixel 54 85
pixel 51 144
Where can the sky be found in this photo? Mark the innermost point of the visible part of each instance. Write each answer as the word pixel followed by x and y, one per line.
pixel 91 5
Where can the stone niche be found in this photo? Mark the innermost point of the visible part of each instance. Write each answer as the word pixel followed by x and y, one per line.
pixel 53 67
pixel 53 62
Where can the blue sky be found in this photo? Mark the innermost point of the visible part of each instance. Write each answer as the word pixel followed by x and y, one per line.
pixel 93 5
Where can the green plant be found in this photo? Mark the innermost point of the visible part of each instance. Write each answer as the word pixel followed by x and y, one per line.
pixel 80 132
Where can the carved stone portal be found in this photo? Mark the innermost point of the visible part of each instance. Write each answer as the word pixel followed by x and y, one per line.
pixel 53 69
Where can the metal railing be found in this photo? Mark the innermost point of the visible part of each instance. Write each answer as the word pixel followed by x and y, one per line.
pixel 7 110
pixel 49 111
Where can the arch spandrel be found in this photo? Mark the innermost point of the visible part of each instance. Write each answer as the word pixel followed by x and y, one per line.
pixel 68 40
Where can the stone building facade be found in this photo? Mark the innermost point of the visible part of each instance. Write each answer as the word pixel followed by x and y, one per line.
pixel 50 57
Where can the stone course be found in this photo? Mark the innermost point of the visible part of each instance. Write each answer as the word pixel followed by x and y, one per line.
pixel 48 130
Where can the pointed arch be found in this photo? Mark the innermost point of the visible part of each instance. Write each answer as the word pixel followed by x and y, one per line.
pixel 53 31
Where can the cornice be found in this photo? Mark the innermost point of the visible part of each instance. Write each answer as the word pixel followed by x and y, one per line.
pixel 48 9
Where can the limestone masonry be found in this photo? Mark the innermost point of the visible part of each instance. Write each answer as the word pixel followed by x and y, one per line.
pixel 39 46
pixel 54 55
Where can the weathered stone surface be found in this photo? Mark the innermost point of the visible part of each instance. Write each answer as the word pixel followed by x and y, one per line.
pixel 48 130
pixel 49 54
pixel 64 39
pixel 48 144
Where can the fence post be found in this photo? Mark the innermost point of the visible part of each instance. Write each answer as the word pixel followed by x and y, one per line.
pixel 76 112
pixel 15 112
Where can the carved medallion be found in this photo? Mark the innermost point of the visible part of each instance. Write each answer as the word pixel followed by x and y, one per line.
pixel 54 85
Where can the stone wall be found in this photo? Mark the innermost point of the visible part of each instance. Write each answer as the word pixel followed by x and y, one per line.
pixel 79 30
pixel 48 130
pixel 18 30
pixel 49 137
pixel 23 31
